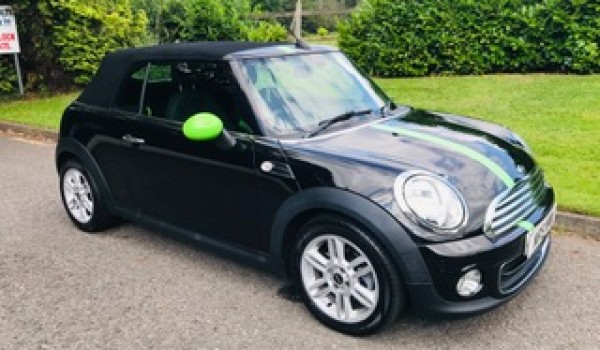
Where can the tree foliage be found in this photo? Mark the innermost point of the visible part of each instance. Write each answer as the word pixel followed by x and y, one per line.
pixel 192 20
pixel 214 20
pixel 413 38
pixel 226 20
pixel 63 41
pixel 85 33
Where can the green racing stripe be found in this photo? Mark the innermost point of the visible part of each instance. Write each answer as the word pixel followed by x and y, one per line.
pixel 528 226
pixel 456 147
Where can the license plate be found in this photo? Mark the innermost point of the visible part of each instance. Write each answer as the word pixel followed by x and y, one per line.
pixel 536 236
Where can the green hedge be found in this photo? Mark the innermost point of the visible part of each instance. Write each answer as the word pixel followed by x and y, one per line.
pixel 85 32
pixel 414 38
pixel 63 41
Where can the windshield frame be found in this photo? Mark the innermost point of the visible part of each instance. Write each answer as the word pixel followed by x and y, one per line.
pixel 256 101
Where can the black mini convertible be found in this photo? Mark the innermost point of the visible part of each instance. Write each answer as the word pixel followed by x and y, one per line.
pixel 286 156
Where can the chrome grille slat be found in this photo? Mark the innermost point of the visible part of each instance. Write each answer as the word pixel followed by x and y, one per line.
pixel 514 216
pixel 510 206
pixel 508 224
pixel 515 204
pixel 518 192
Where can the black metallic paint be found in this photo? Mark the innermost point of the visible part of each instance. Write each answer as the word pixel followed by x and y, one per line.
pixel 367 160
pixel 224 200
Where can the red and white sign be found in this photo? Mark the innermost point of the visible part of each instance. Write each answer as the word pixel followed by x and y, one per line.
pixel 9 40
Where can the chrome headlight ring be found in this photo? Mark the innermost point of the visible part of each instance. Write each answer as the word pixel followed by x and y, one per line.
pixel 431 202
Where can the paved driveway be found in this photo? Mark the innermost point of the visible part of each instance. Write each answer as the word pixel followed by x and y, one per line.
pixel 133 288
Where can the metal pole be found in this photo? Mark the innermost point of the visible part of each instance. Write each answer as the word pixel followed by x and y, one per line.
pixel 19 77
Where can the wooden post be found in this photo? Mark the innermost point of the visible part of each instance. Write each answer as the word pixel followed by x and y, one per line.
pixel 297 21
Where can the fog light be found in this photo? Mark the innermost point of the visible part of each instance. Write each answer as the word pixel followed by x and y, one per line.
pixel 469 284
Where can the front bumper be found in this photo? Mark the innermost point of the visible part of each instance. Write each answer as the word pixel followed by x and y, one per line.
pixel 504 267
pixel 426 300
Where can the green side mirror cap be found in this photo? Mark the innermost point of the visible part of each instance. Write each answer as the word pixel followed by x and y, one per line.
pixel 202 127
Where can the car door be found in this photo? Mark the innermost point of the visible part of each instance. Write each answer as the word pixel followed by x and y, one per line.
pixel 188 185
pixel 109 141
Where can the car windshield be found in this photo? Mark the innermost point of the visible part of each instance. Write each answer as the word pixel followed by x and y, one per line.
pixel 295 93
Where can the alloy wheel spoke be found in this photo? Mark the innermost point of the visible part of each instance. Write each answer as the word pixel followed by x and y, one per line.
pixel 339 306
pixel 316 260
pixel 73 205
pixel 319 288
pixel 363 271
pixel 335 247
pixel 87 204
pixel 83 214
pixel 343 306
pixel 364 296
pixel 68 187
pixel 357 262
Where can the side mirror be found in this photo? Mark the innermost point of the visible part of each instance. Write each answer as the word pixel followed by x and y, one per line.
pixel 207 127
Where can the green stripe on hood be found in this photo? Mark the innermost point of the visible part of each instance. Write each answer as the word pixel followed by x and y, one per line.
pixel 453 146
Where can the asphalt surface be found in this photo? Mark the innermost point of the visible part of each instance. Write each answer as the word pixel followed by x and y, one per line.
pixel 134 288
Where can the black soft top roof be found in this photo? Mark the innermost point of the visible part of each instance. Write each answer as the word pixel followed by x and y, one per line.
pixel 208 50
pixel 100 91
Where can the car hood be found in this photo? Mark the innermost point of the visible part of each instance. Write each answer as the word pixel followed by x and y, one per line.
pixel 478 158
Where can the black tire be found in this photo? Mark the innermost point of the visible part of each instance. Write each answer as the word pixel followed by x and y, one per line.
pixel 391 300
pixel 99 218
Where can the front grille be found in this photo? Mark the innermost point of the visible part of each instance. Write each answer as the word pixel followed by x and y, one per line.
pixel 515 204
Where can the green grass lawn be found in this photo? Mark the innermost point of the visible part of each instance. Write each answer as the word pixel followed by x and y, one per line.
pixel 43 112
pixel 558 115
pixel 329 39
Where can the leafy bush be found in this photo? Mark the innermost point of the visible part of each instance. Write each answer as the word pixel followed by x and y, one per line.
pixel 63 41
pixel 321 31
pixel 213 20
pixel 414 38
pixel 266 31
pixel 85 33
pixel 8 76
pixel 226 20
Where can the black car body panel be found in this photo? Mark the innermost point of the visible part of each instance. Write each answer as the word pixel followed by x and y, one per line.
pixel 147 171
pixel 367 159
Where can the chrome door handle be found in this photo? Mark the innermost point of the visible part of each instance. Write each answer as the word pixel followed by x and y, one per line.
pixel 133 140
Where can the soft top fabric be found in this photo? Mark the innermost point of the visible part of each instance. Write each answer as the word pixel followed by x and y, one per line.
pixel 101 90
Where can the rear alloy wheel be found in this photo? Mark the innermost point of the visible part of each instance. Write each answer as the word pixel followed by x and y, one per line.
pixel 346 280
pixel 79 196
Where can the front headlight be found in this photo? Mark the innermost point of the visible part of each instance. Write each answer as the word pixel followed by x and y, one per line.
pixel 430 200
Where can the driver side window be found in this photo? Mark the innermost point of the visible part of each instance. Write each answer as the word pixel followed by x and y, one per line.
pixel 176 90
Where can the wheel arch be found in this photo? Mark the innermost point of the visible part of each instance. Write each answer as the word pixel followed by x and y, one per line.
pixel 70 149
pixel 383 227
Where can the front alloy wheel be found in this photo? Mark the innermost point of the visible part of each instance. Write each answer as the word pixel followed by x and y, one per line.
pixel 339 278
pixel 344 276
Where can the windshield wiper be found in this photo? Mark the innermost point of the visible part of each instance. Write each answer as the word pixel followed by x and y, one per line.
pixel 324 124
